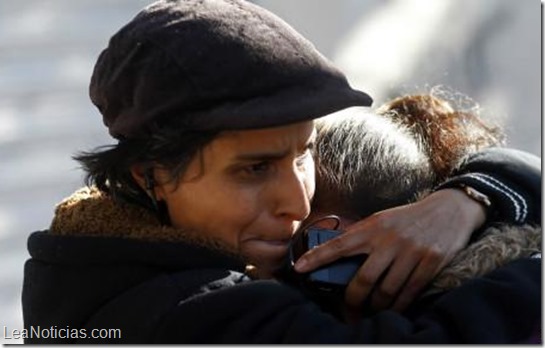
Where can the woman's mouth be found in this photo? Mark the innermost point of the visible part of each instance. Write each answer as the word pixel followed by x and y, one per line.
pixel 266 249
pixel 268 246
pixel 277 242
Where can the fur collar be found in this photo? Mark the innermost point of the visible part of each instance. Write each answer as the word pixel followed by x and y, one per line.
pixel 497 246
pixel 90 212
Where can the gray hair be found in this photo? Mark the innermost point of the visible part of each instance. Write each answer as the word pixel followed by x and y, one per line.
pixel 365 163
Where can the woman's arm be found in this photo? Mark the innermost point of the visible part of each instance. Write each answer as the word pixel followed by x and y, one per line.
pixel 510 178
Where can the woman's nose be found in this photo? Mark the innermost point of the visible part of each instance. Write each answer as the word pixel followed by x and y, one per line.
pixel 293 194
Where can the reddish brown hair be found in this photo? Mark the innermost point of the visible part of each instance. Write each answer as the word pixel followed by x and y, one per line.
pixel 446 134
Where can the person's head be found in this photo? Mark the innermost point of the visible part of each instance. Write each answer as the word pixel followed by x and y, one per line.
pixel 365 163
pixel 212 103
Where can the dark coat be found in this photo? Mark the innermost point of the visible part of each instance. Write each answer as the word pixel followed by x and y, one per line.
pixel 177 293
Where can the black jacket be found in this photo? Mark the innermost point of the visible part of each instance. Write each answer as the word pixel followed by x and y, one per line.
pixel 510 177
pixel 83 275
pixel 177 293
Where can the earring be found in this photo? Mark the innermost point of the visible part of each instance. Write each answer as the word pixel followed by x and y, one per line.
pixel 160 207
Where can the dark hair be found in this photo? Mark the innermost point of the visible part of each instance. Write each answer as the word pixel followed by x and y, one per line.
pixel 166 143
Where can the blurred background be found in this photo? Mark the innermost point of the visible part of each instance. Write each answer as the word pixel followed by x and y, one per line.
pixel 489 50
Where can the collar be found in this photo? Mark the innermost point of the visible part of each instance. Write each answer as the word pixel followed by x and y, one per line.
pixel 89 220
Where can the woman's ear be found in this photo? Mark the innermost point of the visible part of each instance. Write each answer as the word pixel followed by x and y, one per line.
pixel 138 172
pixel 149 179
pixel 145 178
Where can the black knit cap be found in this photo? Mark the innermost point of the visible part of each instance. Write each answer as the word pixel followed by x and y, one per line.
pixel 218 65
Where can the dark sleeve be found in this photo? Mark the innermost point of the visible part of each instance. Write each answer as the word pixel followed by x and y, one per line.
pixel 512 180
pixel 500 308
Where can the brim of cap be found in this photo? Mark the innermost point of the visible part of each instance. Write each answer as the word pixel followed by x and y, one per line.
pixel 291 105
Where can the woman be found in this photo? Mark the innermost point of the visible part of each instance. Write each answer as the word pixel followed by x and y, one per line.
pixel 212 103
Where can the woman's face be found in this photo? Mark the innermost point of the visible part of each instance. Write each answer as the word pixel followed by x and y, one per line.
pixel 249 189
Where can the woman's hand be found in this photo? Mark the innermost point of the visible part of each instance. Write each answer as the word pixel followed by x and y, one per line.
pixel 407 246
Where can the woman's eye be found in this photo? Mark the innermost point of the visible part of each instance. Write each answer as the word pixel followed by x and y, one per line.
pixel 257 168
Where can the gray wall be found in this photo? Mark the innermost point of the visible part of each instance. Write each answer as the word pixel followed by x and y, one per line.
pixel 488 50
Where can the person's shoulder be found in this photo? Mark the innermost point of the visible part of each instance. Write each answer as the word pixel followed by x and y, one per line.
pixel 499 157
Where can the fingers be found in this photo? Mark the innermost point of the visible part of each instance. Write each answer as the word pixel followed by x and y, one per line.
pixel 425 271
pixel 346 244
pixel 404 254
pixel 396 276
pixel 393 279
pixel 362 284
